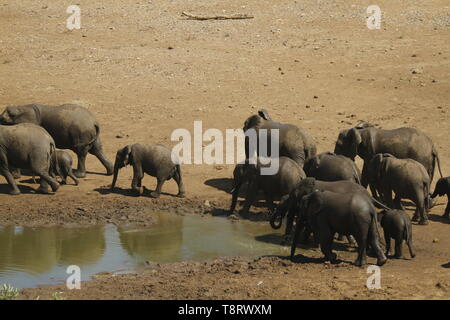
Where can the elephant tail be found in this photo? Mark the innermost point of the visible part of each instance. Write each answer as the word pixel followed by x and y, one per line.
pixel 437 160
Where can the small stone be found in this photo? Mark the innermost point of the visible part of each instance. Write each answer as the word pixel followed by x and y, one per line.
pixel 207 204
pixel 170 47
pixel 416 71
pixel 436 240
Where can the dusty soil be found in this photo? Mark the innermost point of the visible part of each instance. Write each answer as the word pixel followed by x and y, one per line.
pixel 145 71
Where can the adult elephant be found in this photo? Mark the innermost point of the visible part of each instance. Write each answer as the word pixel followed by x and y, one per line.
pixel 27 146
pixel 291 205
pixel 329 166
pixel 367 141
pixel 277 185
pixel 294 142
pixel 328 213
pixel 407 178
pixel 71 126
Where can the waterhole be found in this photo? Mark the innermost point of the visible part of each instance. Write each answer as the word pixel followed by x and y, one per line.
pixel 38 256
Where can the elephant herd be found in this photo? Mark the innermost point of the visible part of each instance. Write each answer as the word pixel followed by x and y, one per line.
pixel 324 194
pixel 319 194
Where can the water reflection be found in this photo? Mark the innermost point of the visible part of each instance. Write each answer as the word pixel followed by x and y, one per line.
pixel 34 256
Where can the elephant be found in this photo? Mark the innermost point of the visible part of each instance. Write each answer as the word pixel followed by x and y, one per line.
pixel 443 188
pixel 277 185
pixel 350 214
pixel 71 126
pixel 294 142
pixel 329 166
pixel 154 160
pixel 396 225
pixel 27 146
pixel 306 186
pixel 64 163
pixel 404 143
pixel 406 177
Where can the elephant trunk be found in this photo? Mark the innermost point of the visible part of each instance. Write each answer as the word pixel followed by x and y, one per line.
pixel 116 173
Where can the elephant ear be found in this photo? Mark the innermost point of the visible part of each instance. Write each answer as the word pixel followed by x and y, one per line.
pixel 264 114
pixel 354 140
pixel 123 157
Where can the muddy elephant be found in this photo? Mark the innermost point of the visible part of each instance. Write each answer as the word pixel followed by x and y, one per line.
pixel 294 142
pixel 71 126
pixel 328 213
pixel 443 188
pixel 404 143
pixel 291 205
pixel 407 178
pixel 274 186
pixel 154 160
pixel 396 225
pixel 27 146
pixel 329 166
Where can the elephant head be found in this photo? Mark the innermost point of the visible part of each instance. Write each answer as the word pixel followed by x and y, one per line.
pixel 356 141
pixel 123 158
pixel 442 187
pixel 254 122
pixel 20 114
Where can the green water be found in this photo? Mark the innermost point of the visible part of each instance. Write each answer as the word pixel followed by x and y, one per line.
pixel 37 256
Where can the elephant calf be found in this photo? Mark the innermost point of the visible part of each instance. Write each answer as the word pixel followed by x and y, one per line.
pixel 397 226
pixel 329 166
pixel 64 163
pixel 274 186
pixel 155 160
pixel 406 177
pixel 443 188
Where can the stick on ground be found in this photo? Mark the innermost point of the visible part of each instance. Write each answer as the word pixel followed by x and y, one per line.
pixel 217 17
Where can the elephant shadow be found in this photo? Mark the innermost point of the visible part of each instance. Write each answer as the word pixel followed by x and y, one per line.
pixel 273 238
pixel 128 192
pixel 223 184
pixel 97 173
pixel 438 218
pixel 446 265
pixel 5 188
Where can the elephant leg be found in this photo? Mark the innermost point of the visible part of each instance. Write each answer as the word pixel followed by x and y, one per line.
pixel 398 247
pixel 136 183
pixel 46 180
pixel 409 242
pixel 420 205
pixel 361 259
pixel 398 203
pixel 250 198
pixel 289 222
pixel 375 243
pixel 234 198
pixel 72 176
pixel 80 171
pixel 269 202
pixel 387 240
pixel 447 208
pixel 9 177
pixel 97 150
pixel 179 180
pixel 159 185
pixel 326 243
pixel 15 172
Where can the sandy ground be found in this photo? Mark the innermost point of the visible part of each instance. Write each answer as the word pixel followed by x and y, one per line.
pixel 145 71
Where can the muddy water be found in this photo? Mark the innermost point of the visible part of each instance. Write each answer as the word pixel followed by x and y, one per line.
pixel 38 256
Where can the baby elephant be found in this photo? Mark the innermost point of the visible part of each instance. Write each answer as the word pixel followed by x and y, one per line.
pixel 396 225
pixel 443 188
pixel 329 166
pixel 64 163
pixel 155 160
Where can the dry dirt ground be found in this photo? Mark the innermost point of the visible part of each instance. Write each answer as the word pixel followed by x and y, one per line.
pixel 144 71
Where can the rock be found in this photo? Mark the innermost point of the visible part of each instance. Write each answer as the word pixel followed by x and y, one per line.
pixel 436 240
pixel 416 71
pixel 207 204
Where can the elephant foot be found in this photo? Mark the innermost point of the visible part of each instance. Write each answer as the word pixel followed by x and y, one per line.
pixel 398 256
pixel 79 173
pixel 332 258
pixel 55 187
pixel 14 192
pixel 43 190
pixel 415 218
pixel 154 194
pixel 423 222
pixel 181 195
